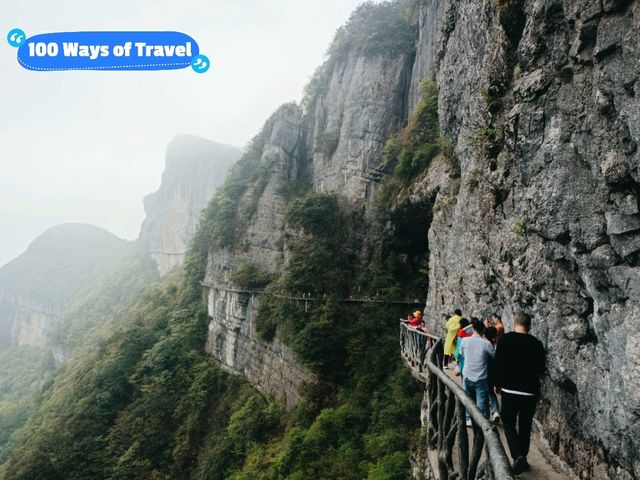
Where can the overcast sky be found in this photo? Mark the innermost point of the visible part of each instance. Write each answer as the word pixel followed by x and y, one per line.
pixel 88 146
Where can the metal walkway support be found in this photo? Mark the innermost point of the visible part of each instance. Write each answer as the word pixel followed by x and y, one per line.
pixel 447 405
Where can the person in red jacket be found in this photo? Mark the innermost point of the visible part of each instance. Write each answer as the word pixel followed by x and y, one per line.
pixel 415 320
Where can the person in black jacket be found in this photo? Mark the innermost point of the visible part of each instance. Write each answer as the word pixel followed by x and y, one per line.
pixel 519 363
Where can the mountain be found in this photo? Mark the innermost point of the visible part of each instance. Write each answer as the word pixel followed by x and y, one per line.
pixel 195 167
pixel 58 267
pixel 75 282
pixel 461 154
pixel 57 298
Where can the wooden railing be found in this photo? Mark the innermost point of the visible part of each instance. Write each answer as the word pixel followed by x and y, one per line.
pixel 414 345
pixel 447 408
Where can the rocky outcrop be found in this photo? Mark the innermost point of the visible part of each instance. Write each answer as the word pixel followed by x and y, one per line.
pixel 362 105
pixel 195 168
pixel 232 337
pixel 334 142
pixel 57 269
pixel 540 99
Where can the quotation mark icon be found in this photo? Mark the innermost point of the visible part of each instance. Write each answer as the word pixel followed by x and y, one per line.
pixel 16 37
pixel 200 63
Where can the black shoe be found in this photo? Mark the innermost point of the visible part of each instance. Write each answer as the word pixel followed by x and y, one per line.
pixel 520 465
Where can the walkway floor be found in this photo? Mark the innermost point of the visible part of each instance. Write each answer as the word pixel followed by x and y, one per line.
pixel 544 464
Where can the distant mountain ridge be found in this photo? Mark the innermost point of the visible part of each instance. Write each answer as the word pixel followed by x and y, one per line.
pixel 57 268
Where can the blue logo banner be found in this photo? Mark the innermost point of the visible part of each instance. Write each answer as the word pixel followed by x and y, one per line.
pixel 110 51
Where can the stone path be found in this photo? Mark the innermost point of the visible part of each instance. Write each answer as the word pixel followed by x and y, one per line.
pixel 544 464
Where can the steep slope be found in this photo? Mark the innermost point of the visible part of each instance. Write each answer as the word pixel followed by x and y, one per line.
pixel 195 168
pixel 331 145
pixel 62 295
pixel 57 268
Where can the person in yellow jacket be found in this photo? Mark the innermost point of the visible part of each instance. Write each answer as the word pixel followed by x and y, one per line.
pixel 452 326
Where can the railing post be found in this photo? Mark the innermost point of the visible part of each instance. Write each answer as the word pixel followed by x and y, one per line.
pixel 450 429
pixel 442 453
pixel 476 452
pixel 433 409
pixel 463 440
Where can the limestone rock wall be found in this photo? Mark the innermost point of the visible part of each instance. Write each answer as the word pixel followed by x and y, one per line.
pixel 540 99
pixel 269 366
pixel 232 339
pixel 363 105
pixel 195 167
pixel 27 322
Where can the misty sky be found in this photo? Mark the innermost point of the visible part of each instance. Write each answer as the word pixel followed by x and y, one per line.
pixel 86 146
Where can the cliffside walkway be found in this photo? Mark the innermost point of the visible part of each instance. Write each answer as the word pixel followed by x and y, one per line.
pixel 307 298
pixel 454 451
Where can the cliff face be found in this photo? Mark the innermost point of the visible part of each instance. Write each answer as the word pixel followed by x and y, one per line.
pixel 333 143
pixel 232 338
pixel 350 121
pixel 537 211
pixel 57 269
pixel 195 167
pixel 540 100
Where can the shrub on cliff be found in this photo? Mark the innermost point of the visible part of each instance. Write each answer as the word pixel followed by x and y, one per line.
pixel 409 152
pixel 223 221
pixel 376 28
pixel 318 247
pixel 249 275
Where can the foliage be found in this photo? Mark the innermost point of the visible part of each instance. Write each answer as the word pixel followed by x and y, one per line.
pixel 519 228
pixel 249 275
pixel 410 152
pixel 105 286
pixel 488 140
pixel 137 406
pixel 223 221
pixel 366 434
pixel 295 188
pixel 23 372
pixel 492 99
pixel 146 401
pixel 376 28
pixel 319 254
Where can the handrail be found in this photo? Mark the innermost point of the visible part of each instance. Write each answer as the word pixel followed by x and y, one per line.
pixel 413 345
pixel 419 332
pixel 447 407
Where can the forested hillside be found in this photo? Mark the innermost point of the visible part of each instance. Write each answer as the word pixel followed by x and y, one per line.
pixel 94 294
